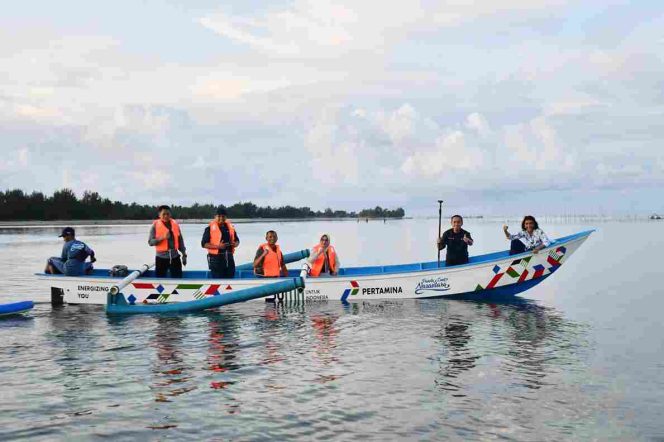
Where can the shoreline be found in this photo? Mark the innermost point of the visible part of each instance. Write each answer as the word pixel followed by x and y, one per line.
pixel 130 222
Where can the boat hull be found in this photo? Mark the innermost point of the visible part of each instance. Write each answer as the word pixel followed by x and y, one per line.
pixel 496 274
pixel 15 308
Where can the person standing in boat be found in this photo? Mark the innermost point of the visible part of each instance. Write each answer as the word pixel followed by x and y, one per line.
pixel 166 237
pixel 323 259
pixel 456 240
pixel 269 260
pixel 220 239
pixel 72 260
pixel 531 237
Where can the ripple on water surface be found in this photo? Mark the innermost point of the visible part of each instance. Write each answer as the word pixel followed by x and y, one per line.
pixel 390 369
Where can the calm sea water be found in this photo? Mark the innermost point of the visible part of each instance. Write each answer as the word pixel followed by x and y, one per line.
pixel 580 357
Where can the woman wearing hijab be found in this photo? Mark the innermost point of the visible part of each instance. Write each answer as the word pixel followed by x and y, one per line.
pixel 323 258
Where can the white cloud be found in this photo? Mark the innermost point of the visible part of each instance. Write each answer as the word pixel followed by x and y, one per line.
pixel 535 146
pixel 400 123
pixel 408 147
pixel 18 160
pixel 332 160
pixel 317 29
pixel 22 157
pixel 37 112
pixel 571 106
pixel 449 154
pixel 478 123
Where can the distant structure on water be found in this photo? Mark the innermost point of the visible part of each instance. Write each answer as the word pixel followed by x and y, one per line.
pixel 655 216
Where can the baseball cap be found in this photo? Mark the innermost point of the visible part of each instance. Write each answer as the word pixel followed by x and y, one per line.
pixel 67 231
pixel 221 210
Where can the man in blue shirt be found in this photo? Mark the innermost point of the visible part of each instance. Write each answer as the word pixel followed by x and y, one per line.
pixel 72 260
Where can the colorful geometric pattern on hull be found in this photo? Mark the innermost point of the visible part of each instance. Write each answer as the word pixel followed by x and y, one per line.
pixel 519 270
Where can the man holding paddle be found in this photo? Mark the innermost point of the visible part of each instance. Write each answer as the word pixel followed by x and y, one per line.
pixel 456 240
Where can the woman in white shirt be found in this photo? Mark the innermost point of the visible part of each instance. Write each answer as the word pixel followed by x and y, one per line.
pixel 529 238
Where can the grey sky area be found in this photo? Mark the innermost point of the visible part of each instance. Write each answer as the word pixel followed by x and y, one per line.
pixel 498 107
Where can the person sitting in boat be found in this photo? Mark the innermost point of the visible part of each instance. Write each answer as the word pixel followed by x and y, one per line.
pixel 72 260
pixel 269 260
pixel 166 237
pixel 456 240
pixel 323 258
pixel 220 239
pixel 531 237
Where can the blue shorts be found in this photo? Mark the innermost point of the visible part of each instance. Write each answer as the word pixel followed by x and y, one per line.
pixel 57 263
pixel 60 267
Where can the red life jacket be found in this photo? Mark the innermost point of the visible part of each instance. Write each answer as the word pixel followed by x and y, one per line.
pixel 160 230
pixel 273 260
pixel 317 265
pixel 215 236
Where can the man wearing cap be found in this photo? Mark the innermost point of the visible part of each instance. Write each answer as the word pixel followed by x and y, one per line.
pixel 220 239
pixel 72 260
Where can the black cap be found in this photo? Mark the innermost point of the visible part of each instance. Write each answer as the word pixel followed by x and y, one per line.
pixel 221 210
pixel 67 231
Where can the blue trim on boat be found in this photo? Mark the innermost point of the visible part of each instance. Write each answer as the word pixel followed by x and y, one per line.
pixel 15 308
pixel 356 271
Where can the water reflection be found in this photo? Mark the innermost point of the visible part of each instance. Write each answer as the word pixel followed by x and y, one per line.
pixel 325 333
pixel 75 341
pixel 455 336
pixel 286 351
pixel 529 341
pixel 540 339
pixel 269 325
pixel 222 348
pixel 171 374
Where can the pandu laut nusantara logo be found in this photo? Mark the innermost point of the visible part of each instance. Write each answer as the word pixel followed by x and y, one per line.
pixel 439 284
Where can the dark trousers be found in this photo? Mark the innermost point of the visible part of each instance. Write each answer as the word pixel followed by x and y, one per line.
pixel 455 260
pixel 222 265
pixel 164 265
pixel 517 247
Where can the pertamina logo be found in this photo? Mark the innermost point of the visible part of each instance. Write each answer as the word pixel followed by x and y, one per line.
pixel 352 291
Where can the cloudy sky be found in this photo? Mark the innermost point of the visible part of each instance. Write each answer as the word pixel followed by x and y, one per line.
pixel 498 107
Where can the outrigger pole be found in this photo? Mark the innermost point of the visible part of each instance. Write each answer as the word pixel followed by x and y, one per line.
pixel 440 217
pixel 117 304
pixel 130 278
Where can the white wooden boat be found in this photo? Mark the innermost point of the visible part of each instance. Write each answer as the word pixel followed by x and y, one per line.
pixel 486 276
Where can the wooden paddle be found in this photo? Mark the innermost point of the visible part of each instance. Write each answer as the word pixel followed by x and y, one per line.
pixel 440 215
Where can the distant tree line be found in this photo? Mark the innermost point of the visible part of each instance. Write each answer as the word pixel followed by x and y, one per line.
pixel 64 205
pixel 379 212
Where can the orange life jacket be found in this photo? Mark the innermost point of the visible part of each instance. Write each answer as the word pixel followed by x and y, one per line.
pixel 215 236
pixel 273 261
pixel 317 265
pixel 161 230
